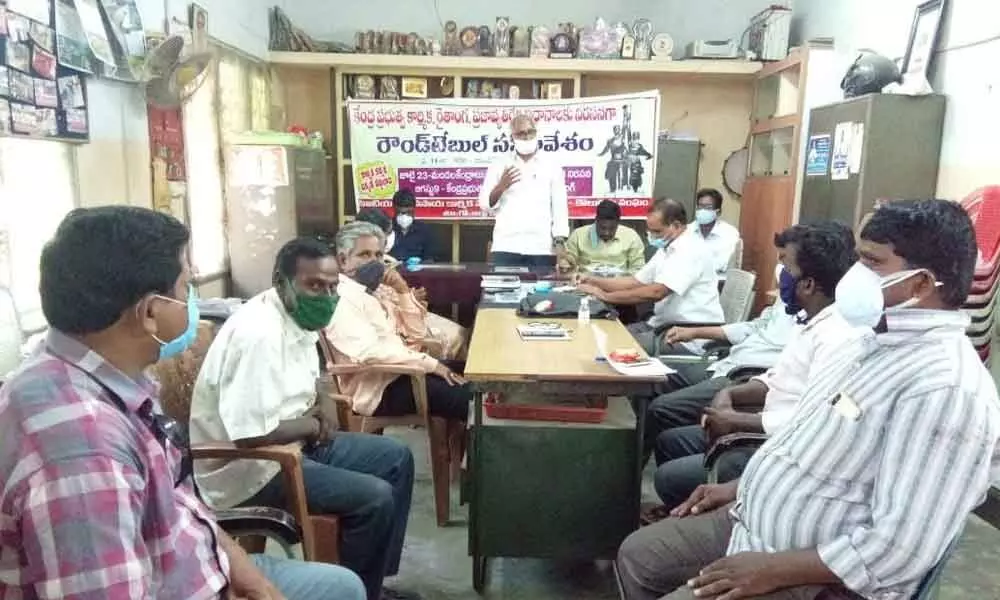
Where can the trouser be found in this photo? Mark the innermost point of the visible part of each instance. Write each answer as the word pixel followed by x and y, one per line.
pixel 443 399
pixel 300 580
pixel 680 456
pixel 367 481
pixel 513 259
pixel 680 408
pixel 656 562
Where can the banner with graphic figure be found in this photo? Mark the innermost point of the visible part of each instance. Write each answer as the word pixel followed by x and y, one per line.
pixel 440 150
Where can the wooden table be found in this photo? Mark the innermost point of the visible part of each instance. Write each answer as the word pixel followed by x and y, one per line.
pixel 546 489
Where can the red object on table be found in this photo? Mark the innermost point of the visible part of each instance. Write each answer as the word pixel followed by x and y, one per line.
pixel 496 409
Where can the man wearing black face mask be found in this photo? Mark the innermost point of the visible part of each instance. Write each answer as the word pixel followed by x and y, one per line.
pixel 362 332
pixel 812 265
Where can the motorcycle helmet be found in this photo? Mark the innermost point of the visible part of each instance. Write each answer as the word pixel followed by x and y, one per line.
pixel 869 74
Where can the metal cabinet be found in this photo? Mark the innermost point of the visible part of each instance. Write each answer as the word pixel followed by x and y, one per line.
pixel 884 146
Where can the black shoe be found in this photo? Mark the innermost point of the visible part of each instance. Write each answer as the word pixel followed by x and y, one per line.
pixel 391 594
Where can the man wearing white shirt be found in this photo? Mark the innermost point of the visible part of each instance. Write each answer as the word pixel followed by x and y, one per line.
pixel 679 278
pixel 526 194
pixel 814 258
pixel 720 237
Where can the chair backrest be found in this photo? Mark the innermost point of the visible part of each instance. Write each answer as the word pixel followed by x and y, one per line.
pixel 177 375
pixel 736 260
pixel 737 295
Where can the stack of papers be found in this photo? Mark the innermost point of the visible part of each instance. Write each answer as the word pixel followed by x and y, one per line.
pixel 543 331
pixel 649 367
pixel 501 282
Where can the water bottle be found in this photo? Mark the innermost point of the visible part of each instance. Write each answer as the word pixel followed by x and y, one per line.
pixel 583 313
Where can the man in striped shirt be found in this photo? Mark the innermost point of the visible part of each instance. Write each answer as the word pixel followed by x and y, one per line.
pixel 98 500
pixel 895 441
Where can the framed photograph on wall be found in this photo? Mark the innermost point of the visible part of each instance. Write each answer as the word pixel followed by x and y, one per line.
pixel 924 33
pixel 198 22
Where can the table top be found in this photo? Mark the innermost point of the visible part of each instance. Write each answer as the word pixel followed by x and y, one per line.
pixel 497 352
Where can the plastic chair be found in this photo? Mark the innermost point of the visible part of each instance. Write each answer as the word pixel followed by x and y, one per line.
pixel 446 437
pixel 319 534
pixel 737 295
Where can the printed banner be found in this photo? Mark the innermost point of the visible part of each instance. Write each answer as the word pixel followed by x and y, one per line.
pixel 440 150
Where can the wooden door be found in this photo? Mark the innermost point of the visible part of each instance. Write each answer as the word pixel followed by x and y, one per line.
pixel 766 210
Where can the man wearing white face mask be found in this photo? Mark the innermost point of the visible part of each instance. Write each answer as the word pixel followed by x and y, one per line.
pixel 526 193
pixel 719 236
pixel 895 441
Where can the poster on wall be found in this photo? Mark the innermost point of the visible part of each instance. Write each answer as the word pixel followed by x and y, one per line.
pixel 818 156
pixel 440 149
pixel 72 47
pixel 93 27
pixel 842 140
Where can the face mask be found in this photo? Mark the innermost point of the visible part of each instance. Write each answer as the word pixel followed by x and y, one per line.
pixel 705 216
pixel 657 242
pixel 370 275
pixel 184 340
pixel 404 221
pixel 526 147
pixel 787 283
pixel 390 241
pixel 859 296
pixel 313 313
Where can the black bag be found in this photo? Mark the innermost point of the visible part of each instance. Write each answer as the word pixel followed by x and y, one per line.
pixel 564 306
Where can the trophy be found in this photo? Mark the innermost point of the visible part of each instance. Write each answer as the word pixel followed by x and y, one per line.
pixel 599 41
pixel 643 30
pixel 501 39
pixel 435 48
pixel 521 41
pixel 468 41
pixel 485 45
pixel 514 92
pixel 364 87
pixel 388 88
pixel 451 46
pixel 628 46
pixel 540 38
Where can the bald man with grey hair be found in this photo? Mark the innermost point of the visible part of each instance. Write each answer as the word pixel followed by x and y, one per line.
pixel 525 192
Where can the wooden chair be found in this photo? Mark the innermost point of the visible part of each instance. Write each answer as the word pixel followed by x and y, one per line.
pixel 320 534
pixel 447 438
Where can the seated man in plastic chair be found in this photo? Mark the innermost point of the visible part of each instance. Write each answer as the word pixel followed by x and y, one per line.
pixel 363 331
pixel 679 278
pixel 99 500
pixel 814 258
pixel 818 267
pixel 257 387
pixel 895 441
pixel 442 338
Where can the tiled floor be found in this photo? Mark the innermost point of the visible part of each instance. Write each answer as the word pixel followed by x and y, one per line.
pixel 435 561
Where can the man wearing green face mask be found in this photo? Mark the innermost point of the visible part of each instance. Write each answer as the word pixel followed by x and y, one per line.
pixel 257 387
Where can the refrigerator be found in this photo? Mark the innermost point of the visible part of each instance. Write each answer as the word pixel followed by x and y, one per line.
pixel 275 192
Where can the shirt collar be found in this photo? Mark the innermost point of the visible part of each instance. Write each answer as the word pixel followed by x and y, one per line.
pixel 134 393
pixel 596 239
pixel 907 324
pixel 294 330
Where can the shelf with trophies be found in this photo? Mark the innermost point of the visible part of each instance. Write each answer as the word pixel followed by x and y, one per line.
pixel 507 60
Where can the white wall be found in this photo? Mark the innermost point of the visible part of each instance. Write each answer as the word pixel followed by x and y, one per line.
pixel 684 20
pixel 965 70
pixel 114 166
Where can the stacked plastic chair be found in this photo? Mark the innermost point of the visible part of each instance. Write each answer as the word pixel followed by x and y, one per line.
pixel 983 207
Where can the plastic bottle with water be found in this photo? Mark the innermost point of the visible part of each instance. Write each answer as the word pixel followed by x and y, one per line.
pixel 583 313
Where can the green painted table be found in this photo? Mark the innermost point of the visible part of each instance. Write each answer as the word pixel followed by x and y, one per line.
pixel 546 489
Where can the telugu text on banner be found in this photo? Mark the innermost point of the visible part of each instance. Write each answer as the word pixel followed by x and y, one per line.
pixel 440 149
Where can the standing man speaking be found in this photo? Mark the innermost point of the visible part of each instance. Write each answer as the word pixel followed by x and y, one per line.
pixel 526 193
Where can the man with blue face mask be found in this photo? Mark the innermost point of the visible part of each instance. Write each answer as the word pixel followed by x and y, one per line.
pixel 97 502
pixel 720 237
pixel 895 441
pixel 679 278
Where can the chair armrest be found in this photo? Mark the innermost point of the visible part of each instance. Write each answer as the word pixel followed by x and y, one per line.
pixel 289 456
pixel 260 520
pixel 352 369
pixel 730 442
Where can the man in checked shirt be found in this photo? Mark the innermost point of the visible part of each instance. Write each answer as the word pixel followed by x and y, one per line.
pixel 97 501
pixel 894 443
